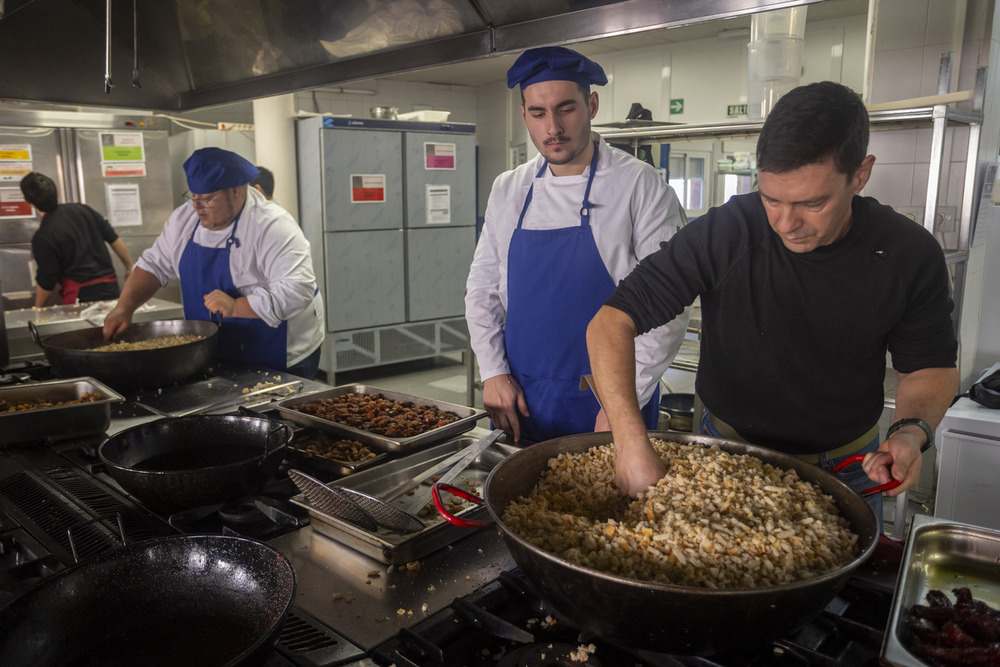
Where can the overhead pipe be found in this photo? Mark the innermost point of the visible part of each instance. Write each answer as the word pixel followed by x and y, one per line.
pixel 135 44
pixel 107 49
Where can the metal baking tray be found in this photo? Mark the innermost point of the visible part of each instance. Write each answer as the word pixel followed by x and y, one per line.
pixel 337 466
pixel 394 548
pixel 467 418
pixel 940 554
pixel 60 421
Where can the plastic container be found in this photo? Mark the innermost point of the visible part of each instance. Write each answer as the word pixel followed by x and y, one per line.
pixel 777 24
pixel 775 58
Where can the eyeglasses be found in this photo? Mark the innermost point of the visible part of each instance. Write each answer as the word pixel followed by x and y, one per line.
pixel 201 200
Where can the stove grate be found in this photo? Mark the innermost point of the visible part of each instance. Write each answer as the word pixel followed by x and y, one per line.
pixel 106 507
pixel 307 643
pixel 31 501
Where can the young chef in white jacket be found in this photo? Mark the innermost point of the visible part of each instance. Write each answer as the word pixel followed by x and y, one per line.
pixel 239 256
pixel 560 232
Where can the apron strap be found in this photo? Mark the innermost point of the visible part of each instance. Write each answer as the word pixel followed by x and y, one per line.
pixel 587 204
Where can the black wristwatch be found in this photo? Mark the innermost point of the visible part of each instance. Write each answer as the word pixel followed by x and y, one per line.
pixel 916 422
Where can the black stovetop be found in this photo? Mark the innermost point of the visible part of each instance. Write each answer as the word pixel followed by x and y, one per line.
pixel 506 623
pixel 45 489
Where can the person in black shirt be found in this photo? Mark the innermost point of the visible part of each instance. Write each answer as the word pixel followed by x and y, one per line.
pixel 804 286
pixel 264 182
pixel 69 247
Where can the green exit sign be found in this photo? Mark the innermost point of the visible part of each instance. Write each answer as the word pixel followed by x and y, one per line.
pixel 736 110
pixel 677 105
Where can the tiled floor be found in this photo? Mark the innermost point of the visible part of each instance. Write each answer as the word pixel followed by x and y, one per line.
pixel 445 379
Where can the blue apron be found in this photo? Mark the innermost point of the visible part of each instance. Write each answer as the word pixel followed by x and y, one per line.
pixel 556 283
pixel 242 340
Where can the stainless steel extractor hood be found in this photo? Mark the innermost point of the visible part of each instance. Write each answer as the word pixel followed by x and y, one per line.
pixel 188 54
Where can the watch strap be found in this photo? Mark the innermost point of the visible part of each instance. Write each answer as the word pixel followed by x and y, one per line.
pixel 915 421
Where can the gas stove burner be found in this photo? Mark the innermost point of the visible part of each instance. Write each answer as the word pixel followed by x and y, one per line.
pixel 241 512
pixel 551 654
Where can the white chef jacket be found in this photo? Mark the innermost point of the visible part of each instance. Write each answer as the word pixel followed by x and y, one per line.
pixel 635 210
pixel 271 267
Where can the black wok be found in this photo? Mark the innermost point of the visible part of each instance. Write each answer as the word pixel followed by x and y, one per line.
pixel 196 460
pixel 71 354
pixel 660 617
pixel 185 600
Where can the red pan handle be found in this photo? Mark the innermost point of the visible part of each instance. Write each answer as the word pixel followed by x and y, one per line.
pixel 461 493
pixel 891 484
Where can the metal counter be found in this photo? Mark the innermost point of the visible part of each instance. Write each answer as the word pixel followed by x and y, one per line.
pixel 369 602
pixel 362 599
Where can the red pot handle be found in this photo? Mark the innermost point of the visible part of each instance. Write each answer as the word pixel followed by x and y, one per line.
pixel 891 484
pixel 461 493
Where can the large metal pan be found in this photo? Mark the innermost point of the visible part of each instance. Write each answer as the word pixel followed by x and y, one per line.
pixel 71 354
pixel 660 617
pixel 183 600
pixel 182 462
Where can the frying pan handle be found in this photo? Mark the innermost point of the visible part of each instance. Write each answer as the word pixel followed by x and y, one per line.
pixel 891 484
pixel 461 493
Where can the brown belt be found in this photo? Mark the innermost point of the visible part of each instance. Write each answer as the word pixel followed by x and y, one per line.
pixel 730 433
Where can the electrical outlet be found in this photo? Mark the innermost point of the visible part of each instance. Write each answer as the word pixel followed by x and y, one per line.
pixel 944 219
pixel 914 213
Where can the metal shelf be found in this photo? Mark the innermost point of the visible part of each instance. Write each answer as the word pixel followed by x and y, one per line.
pixel 917 117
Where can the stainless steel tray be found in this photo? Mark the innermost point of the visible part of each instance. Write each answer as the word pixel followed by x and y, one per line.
pixel 940 554
pixel 467 418
pixel 394 548
pixel 60 421
pixel 336 466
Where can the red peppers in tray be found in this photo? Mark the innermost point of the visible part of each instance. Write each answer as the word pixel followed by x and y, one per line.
pixel 964 633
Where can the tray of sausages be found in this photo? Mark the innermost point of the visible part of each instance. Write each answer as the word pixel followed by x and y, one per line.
pixel 331 452
pixel 386 420
pixel 946 605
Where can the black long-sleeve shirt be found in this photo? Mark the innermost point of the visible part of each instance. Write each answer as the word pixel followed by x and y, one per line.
pixel 71 243
pixel 793 345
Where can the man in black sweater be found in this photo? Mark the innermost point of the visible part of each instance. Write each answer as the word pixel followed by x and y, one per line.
pixel 804 285
pixel 69 247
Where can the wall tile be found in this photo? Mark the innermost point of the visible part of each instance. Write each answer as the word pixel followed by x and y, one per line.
pixel 901 24
pixel 920 175
pixel 897 75
pixel 941 19
pixel 892 147
pixel 891 183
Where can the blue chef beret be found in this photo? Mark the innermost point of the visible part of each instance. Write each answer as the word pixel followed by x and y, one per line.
pixel 211 169
pixel 554 63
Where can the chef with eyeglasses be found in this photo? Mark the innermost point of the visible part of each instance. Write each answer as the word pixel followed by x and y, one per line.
pixel 238 256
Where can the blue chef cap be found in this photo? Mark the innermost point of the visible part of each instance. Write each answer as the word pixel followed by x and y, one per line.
pixel 211 169
pixel 554 63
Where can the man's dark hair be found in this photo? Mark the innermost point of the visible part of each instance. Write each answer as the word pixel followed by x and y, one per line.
pixel 40 191
pixel 811 124
pixel 265 179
